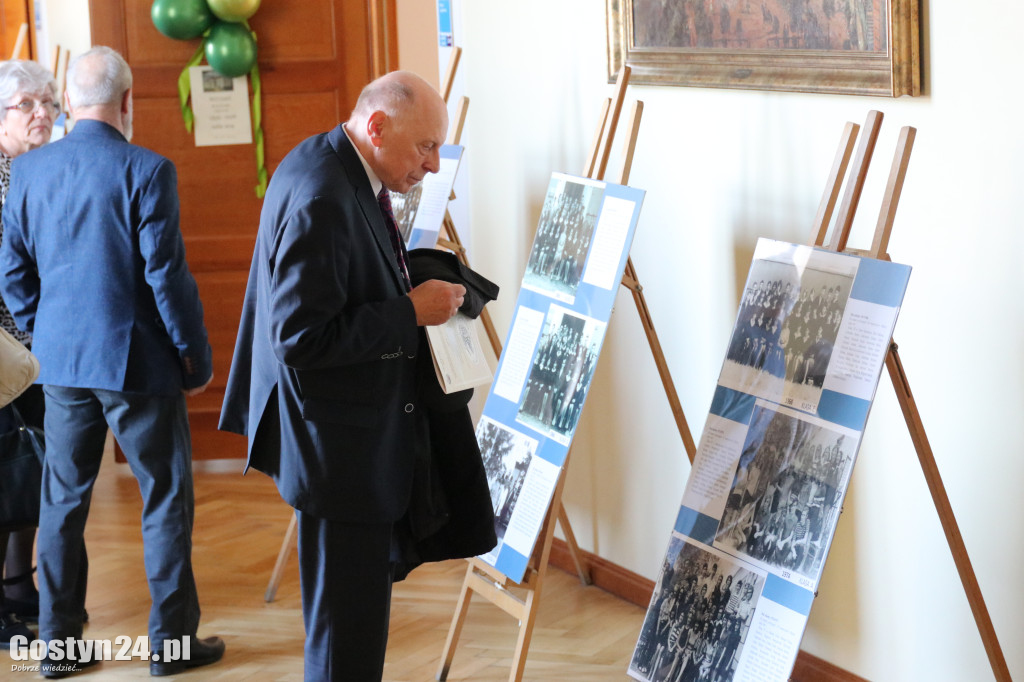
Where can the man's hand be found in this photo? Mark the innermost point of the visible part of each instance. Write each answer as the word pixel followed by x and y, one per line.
pixel 436 302
pixel 189 392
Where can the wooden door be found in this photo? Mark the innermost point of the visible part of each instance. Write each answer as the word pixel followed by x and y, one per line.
pixel 14 13
pixel 314 58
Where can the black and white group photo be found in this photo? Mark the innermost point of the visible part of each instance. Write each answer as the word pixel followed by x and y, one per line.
pixel 506 455
pixel 563 367
pixel 564 234
pixel 698 619
pixel 786 328
pixel 785 497
pixel 405 206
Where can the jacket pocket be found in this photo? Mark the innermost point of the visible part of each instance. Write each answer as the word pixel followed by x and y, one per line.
pixel 340 412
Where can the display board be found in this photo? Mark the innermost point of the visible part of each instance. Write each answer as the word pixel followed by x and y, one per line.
pixel 572 275
pixel 420 211
pixel 764 494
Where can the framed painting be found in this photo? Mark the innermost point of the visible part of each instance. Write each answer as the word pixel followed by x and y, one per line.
pixel 853 47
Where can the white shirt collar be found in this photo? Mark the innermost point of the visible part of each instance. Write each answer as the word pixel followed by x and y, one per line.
pixel 375 182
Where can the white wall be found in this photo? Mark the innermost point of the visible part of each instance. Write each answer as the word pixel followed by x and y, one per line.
pixel 417 38
pixel 722 168
pixel 66 23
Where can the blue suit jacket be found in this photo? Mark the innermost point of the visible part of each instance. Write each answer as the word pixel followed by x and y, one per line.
pixel 93 266
pixel 323 376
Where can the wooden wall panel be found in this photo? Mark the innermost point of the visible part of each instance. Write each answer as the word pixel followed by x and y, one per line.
pixel 148 46
pixel 316 22
pixel 314 58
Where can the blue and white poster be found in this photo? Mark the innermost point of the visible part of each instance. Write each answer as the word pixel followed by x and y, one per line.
pixel 575 266
pixel 771 471
pixel 420 212
pixel 444 24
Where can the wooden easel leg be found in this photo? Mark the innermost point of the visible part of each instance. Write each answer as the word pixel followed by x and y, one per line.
pixel 19 45
pixel 525 635
pixel 461 609
pixel 582 569
pixel 282 559
pixel 631 282
pixel 855 183
pixel 945 511
pixel 835 183
pixel 536 581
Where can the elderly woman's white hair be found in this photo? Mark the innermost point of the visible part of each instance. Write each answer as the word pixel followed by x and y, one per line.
pixel 23 76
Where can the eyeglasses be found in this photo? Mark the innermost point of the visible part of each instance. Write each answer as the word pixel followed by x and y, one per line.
pixel 30 106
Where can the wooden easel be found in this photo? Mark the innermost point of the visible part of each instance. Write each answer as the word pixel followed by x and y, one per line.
pixel 19 42
pixel 60 70
pixel 520 599
pixel 878 250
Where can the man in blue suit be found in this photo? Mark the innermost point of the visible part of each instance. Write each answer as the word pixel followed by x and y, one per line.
pixel 323 379
pixel 93 266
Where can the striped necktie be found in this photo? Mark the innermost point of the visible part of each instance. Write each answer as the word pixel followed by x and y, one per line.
pixel 384 200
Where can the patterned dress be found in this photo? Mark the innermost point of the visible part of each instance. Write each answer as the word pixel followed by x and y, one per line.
pixel 6 320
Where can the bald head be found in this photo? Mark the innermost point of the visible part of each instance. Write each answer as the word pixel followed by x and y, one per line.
pixel 398 125
pixel 394 93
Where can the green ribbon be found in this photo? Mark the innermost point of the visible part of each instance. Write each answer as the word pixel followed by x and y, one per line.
pixel 257 125
pixel 185 91
pixel 185 86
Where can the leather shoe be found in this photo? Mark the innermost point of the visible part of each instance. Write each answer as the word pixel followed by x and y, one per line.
pixel 27 610
pixel 201 652
pixel 11 627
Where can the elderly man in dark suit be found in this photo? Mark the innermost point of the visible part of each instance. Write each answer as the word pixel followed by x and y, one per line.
pixel 323 379
pixel 93 266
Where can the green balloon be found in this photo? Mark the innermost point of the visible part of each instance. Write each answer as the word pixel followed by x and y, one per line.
pixel 234 10
pixel 181 19
pixel 230 49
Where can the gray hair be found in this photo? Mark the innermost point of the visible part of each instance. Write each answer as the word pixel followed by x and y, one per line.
pixel 98 76
pixel 20 75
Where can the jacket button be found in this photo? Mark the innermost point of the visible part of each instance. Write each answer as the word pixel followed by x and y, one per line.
pixel 408 408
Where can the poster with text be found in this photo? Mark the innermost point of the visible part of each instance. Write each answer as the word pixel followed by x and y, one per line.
pixel 774 461
pixel 544 373
pixel 221 107
pixel 420 211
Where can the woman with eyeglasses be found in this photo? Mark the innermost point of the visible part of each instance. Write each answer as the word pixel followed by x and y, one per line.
pixel 28 95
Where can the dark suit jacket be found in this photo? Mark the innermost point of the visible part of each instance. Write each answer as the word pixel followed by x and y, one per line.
pixel 93 266
pixel 323 377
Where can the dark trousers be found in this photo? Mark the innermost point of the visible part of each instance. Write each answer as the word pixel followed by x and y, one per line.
pixel 345 572
pixel 153 433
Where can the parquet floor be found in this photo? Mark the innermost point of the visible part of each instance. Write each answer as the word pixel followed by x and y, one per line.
pixel 582 633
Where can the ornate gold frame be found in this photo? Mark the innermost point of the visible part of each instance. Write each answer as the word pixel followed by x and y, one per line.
pixel 890 75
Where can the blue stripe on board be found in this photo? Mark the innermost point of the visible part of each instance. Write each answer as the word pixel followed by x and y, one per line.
pixel 844 410
pixel 511 563
pixel 700 527
pixel 789 595
pixel 732 405
pixel 880 282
